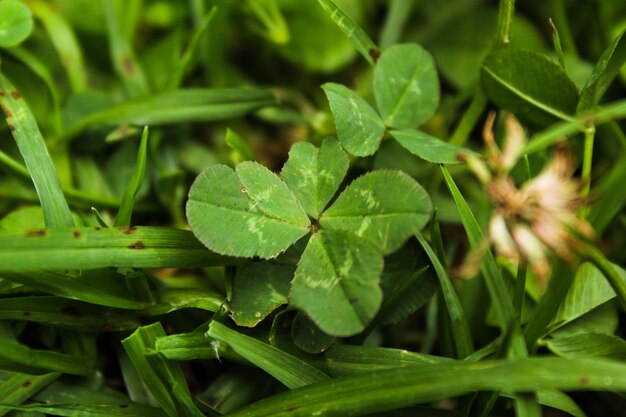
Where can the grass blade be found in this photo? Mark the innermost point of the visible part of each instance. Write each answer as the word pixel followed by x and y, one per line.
pixel 164 378
pixel 288 369
pixel 20 387
pixel 386 390
pixel 458 322
pixel 90 248
pixel 128 200
pixel 349 27
pixel 64 40
pixel 33 150
pixel 176 107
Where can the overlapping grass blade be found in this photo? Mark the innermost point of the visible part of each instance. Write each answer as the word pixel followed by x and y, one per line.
pixel 459 326
pixel 20 387
pixel 386 390
pixel 179 106
pixel 128 199
pixel 164 378
pixel 33 150
pixel 352 30
pixel 288 369
pixel 90 248
pixel 64 41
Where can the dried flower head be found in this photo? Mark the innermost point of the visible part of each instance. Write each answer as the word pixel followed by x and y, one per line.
pixel 537 219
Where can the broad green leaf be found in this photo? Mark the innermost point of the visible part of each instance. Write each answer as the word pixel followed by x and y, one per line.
pixel 588 345
pixel 16 22
pixel 382 207
pixel 289 370
pixel 428 147
pixel 336 283
pixel 164 379
pixel 379 391
pixel 611 196
pixel 406 86
pixel 258 289
pixel 359 128
pixel 314 175
pixel 589 290
pixel 255 215
pixel 607 68
pixel 461 43
pixel 530 85
pixel 38 250
pixel 128 200
pixel 307 336
pixel 33 149
pixel 329 49
pixel 185 105
pixel 352 30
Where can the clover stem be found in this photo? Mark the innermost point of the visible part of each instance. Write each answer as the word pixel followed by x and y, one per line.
pixel 590 133
pixel 505 18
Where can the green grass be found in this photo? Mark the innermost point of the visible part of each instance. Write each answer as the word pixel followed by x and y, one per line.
pixel 280 208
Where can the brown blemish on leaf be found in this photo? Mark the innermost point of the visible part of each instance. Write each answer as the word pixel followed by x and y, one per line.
pixel 26 314
pixel 128 230
pixel 72 312
pixel 584 380
pixel 15 95
pixel 97 229
pixel 374 54
pixel 13 128
pixel 27 384
pixel 76 234
pixel 1 92
pixel 127 66
pixel 7 112
pixel 123 405
pixel 137 245
pixel 36 233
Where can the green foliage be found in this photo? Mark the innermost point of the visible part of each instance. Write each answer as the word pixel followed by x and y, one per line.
pixel 314 226
pixel 16 22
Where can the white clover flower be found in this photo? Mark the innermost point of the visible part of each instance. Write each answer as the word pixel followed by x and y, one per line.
pixel 531 222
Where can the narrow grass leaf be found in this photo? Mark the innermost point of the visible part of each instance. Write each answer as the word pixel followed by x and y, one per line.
pixel 93 410
pixel 458 322
pixel 164 378
pixel 336 282
pixel 314 175
pixel 188 346
pixel 611 195
pixel 89 248
pixel 605 71
pixel 183 65
pixel 588 345
pixel 128 200
pixel 382 207
pixel 352 30
pixel 124 61
pixel 183 105
pixel 497 288
pixel 240 146
pixel 406 86
pixel 21 387
pixel 428 147
pixel 291 371
pixel 33 149
pixel 386 390
pixel 246 213
pixel 16 23
pixel 359 128
pixel 509 77
pixel 65 42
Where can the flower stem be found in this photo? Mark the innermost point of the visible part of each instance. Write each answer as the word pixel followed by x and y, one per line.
pixel 505 18
pixel 586 169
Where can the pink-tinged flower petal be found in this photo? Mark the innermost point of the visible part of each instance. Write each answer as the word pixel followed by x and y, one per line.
pixel 502 239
